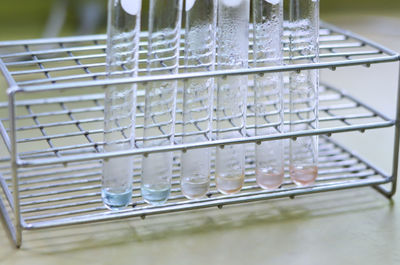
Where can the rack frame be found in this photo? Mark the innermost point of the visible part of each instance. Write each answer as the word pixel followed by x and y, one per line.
pixel 18 187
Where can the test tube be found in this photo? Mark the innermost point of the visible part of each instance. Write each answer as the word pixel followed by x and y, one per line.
pixel 198 95
pixel 268 91
pixel 303 31
pixel 160 99
pixel 232 53
pixel 120 101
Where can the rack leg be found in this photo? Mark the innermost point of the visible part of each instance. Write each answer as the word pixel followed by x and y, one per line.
pixel 14 157
pixel 385 192
pixel 17 213
pixel 8 224
pixel 392 191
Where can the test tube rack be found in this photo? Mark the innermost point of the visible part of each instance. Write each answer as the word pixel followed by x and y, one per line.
pixel 51 130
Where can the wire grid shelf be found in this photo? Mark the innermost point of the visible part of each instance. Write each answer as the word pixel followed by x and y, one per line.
pixel 58 195
pixel 55 142
pixel 34 66
pixel 70 129
pixel 31 63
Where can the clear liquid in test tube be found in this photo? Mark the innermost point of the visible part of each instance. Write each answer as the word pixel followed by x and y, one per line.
pixel 120 101
pixel 198 95
pixel 232 53
pixel 160 99
pixel 303 32
pixel 268 89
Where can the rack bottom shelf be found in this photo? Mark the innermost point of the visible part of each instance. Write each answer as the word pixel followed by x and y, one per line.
pixel 52 197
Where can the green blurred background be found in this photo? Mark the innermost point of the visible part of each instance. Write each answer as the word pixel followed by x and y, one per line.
pixel 22 19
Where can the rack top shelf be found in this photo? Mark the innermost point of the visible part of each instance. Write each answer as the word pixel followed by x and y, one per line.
pixel 60 63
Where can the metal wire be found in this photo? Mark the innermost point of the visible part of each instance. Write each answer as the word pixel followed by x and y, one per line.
pixel 57 183
pixel 87 104
pixel 61 194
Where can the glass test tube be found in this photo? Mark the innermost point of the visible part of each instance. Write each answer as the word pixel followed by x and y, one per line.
pixel 232 53
pixel 303 27
pixel 198 95
pixel 160 100
pixel 120 101
pixel 268 91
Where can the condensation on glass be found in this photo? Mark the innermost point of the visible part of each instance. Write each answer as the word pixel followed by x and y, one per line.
pixel 198 95
pixel 160 99
pixel 303 35
pixel 268 89
pixel 232 53
pixel 120 101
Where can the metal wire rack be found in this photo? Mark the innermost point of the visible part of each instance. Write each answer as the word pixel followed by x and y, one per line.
pixel 51 126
